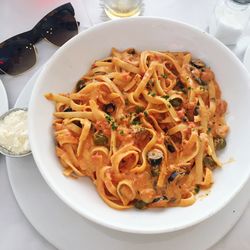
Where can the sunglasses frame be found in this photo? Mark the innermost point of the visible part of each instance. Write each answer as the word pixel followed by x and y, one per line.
pixel 35 34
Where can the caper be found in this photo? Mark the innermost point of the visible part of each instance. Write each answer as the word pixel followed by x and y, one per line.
pixel 209 162
pixel 100 139
pixel 219 143
pixel 140 204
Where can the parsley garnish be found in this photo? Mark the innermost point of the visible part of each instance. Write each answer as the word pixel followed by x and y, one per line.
pixel 138 109
pixel 108 118
pixel 111 121
pixel 152 93
pixel 114 125
pixel 126 102
pixel 164 76
pixel 197 189
pixel 165 97
pixel 121 132
pixel 145 113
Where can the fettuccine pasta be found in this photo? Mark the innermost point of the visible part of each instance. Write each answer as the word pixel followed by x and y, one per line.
pixel 144 126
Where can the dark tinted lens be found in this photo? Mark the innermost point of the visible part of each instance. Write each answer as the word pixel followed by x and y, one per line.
pixel 59 28
pixel 16 56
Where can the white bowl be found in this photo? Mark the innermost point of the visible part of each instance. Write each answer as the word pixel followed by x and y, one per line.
pixel 73 59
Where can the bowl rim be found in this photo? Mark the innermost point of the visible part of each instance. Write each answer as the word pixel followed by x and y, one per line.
pixel 54 187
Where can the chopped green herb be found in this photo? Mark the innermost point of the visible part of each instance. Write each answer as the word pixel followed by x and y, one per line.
pixel 203 88
pixel 209 129
pixel 126 102
pixel 165 97
pixel 108 118
pixel 113 126
pixel 189 88
pixel 169 106
pixel 138 109
pixel 197 189
pixel 111 121
pixel 140 204
pixel 121 132
pixel 164 76
pixel 145 113
pixel 150 84
pixel 213 99
pixel 153 94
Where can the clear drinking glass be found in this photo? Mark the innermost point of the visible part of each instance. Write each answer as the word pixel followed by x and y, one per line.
pixel 122 8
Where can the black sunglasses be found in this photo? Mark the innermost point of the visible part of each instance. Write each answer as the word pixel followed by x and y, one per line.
pixel 18 53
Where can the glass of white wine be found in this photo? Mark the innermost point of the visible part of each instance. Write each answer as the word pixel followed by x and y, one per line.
pixel 122 8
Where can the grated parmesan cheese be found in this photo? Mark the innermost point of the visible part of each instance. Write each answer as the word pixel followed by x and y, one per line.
pixel 14 132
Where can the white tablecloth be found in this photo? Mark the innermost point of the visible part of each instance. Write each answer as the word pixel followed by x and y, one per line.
pixel 17 16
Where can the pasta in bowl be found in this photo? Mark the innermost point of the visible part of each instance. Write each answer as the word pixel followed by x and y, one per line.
pixel 168 134
pixel 144 126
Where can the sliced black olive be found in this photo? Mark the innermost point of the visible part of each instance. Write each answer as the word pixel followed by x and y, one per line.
pixel 138 109
pixel 162 198
pixel 180 87
pixel 100 139
pixel 198 63
pixel 209 162
pixel 78 123
pixel 176 102
pixel 80 85
pixel 155 157
pixel 140 204
pixel 131 51
pixel 196 110
pixel 109 108
pixel 155 170
pixel 219 143
pixel 68 110
pixel 199 81
pixel 172 176
pixel 170 148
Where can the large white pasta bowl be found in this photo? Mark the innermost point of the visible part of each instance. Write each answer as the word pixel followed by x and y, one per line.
pixel 74 58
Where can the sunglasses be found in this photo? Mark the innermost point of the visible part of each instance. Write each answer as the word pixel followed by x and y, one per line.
pixel 18 53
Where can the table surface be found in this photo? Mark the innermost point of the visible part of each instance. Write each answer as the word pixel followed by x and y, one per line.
pixel 17 16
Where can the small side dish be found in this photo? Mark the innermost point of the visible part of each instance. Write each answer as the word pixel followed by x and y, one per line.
pixel 14 133
pixel 144 126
